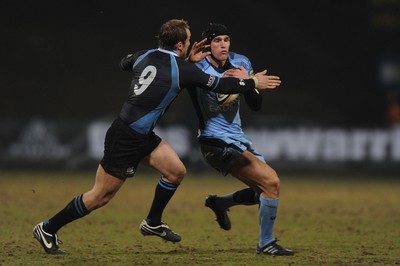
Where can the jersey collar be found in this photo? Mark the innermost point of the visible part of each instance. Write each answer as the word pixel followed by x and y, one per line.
pixel 168 51
pixel 227 65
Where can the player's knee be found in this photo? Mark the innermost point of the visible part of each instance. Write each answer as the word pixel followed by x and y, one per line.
pixel 105 199
pixel 177 175
pixel 180 175
pixel 275 184
pixel 100 200
pixel 271 184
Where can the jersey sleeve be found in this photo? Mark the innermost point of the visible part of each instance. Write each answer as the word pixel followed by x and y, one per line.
pixel 253 99
pixel 237 60
pixel 129 60
pixel 191 76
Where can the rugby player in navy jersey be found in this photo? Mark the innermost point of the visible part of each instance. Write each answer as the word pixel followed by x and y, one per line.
pixel 158 75
pixel 227 149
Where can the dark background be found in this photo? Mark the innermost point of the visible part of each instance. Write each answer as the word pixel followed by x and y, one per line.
pixel 60 59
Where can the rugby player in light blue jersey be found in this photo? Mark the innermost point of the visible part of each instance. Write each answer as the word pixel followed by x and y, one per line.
pixel 227 149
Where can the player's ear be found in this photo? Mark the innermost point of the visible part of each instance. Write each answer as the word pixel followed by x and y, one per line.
pixel 179 46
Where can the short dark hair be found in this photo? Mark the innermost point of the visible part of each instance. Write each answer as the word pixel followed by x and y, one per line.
pixel 172 32
pixel 214 30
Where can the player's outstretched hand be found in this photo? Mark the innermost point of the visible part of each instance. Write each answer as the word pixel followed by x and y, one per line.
pixel 197 53
pixel 264 81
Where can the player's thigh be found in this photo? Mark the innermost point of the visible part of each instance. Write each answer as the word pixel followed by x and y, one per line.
pixel 106 182
pixel 254 172
pixel 166 161
pixel 105 187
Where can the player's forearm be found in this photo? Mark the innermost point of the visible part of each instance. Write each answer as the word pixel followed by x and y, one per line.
pixel 234 85
pixel 253 99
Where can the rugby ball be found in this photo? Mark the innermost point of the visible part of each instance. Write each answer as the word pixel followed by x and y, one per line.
pixel 225 99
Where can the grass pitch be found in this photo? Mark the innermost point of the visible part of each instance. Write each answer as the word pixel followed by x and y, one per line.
pixel 327 221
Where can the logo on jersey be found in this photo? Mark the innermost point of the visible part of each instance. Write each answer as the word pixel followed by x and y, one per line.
pixel 226 99
pixel 221 97
pixel 210 81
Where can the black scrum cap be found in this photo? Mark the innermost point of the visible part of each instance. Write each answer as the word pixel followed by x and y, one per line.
pixel 214 30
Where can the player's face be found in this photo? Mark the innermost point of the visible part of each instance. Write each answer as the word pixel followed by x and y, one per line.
pixel 220 47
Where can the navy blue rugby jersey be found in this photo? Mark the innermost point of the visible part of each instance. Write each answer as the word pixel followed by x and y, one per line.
pixel 158 76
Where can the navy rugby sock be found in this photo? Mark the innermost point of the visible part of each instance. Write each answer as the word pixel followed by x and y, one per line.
pixel 245 196
pixel 164 192
pixel 74 210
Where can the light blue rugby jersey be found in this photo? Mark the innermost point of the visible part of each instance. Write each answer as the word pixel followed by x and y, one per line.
pixel 215 120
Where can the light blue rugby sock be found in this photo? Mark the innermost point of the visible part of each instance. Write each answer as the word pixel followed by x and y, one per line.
pixel 267 214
